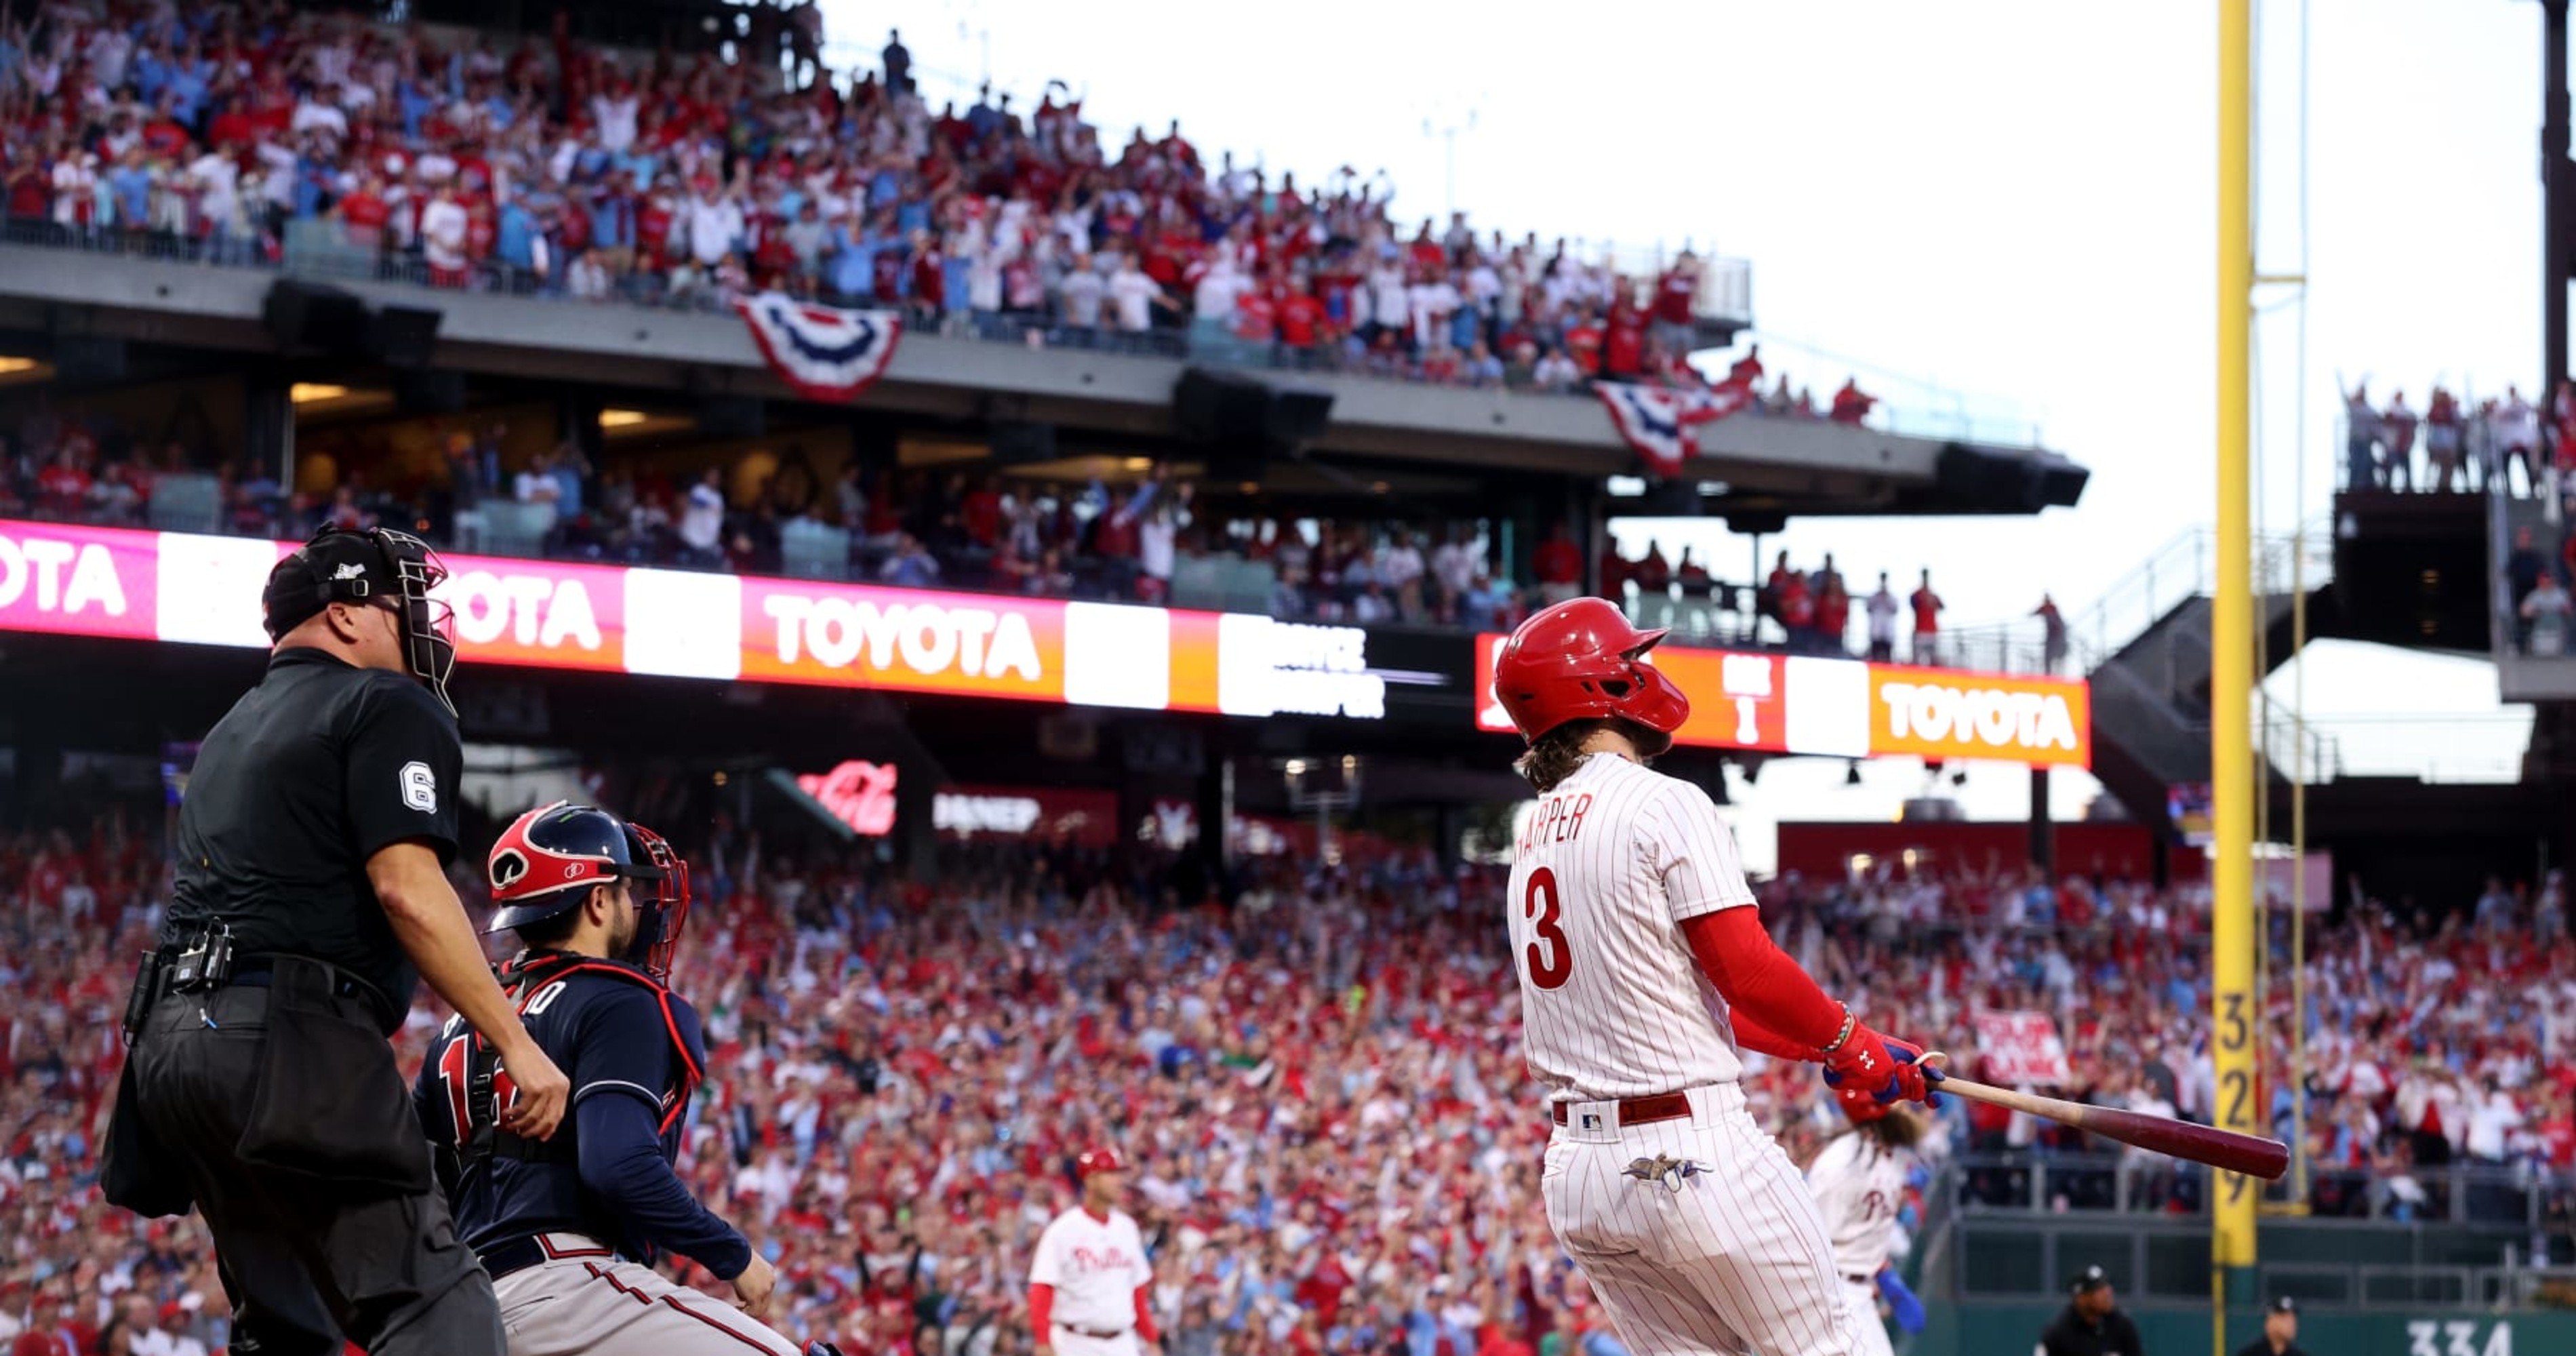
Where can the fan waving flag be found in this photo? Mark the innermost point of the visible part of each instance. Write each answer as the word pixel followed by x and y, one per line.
pixel 824 352
pixel 1662 423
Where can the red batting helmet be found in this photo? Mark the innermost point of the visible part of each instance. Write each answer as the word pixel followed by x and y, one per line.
pixel 1581 660
pixel 1092 1162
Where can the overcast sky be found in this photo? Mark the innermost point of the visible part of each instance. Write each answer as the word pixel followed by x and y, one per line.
pixel 2006 205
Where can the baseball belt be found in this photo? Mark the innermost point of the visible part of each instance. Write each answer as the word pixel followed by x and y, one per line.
pixel 1663 1106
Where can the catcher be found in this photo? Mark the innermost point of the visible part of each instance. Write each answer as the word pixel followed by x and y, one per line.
pixel 569 1227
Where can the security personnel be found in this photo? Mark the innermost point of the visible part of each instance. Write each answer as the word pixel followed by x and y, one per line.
pixel 310 883
pixel 2091 1324
pixel 2280 1330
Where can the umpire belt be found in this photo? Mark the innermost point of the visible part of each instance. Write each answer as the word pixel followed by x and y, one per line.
pixel 519 1254
pixel 1096 1334
pixel 260 972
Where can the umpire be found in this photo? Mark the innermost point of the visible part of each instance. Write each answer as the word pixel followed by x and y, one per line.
pixel 310 883
pixel 2091 1324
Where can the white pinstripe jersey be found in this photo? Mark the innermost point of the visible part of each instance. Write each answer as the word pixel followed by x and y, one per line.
pixel 1607 867
pixel 1096 1266
pixel 1859 1185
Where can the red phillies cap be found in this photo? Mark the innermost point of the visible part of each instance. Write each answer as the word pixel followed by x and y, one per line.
pixel 1097 1160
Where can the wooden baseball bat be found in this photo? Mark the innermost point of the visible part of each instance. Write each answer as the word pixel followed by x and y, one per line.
pixel 2252 1155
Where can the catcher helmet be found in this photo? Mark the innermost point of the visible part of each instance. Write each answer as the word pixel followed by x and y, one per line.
pixel 549 858
pixel 1581 660
pixel 379 564
pixel 1092 1162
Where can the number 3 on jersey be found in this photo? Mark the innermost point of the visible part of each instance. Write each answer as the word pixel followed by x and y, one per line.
pixel 1549 959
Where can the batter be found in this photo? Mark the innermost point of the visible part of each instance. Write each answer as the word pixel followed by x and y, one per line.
pixel 1643 967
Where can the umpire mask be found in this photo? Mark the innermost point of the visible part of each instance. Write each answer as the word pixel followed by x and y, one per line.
pixel 378 565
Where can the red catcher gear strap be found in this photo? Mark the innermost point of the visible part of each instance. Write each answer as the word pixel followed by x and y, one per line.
pixel 524 976
pixel 1761 983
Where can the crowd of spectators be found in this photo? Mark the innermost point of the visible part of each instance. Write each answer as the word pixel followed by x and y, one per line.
pixel 55 469
pixel 2432 1038
pixel 248 133
pixel 1316 1068
pixel 2538 605
pixel 2448 446
pixel 954 530
pixel 915 529
pixel 2522 452
pixel 1802 611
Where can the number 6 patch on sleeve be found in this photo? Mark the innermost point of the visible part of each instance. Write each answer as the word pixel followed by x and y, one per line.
pixel 419 787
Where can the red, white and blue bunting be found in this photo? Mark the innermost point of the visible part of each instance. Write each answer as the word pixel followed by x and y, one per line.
pixel 824 352
pixel 1662 423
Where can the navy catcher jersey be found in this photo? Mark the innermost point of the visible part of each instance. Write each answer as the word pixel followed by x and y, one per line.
pixel 615 1033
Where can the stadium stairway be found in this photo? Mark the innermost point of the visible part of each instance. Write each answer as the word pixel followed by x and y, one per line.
pixel 2151 707
pixel 2145 646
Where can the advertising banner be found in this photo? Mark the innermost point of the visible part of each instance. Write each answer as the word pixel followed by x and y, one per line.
pixel 68 580
pixel 78 581
pixel 1082 817
pixel 1845 708
pixel 1937 713
pixel 2020 1049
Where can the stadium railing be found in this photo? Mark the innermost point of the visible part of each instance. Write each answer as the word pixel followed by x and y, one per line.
pixel 2031 1182
pixel 2330 1264
pixel 2369 466
pixel 322 249
pixel 2183 569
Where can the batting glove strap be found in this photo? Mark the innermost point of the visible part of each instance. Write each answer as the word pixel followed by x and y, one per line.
pixel 1843 1036
pixel 1891 1069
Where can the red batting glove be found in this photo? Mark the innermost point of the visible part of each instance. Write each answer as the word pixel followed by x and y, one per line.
pixel 1892 1070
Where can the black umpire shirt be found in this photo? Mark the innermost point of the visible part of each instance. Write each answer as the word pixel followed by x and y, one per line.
pixel 310 774
pixel 2072 1335
pixel 2262 1346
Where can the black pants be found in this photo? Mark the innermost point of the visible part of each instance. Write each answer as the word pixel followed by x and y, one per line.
pixel 302 1263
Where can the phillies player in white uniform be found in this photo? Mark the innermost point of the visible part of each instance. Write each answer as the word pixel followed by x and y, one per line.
pixel 1089 1283
pixel 1859 1181
pixel 1643 966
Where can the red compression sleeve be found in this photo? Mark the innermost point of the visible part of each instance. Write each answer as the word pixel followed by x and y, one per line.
pixel 1042 1311
pixel 1772 998
pixel 1753 1035
pixel 1145 1315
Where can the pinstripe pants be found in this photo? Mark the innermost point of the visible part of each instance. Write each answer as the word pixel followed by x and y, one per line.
pixel 582 1299
pixel 1732 1260
pixel 1867 1326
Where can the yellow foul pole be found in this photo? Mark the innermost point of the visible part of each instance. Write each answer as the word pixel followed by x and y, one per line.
pixel 2231 761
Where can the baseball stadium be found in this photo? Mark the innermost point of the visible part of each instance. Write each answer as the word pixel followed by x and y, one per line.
pixel 981 679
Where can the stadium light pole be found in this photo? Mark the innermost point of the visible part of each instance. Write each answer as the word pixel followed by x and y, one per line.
pixel 2232 667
